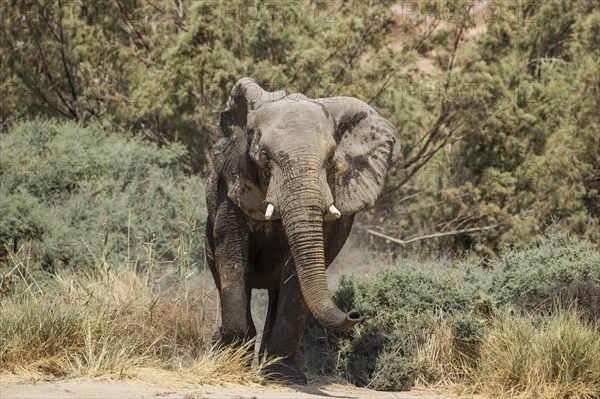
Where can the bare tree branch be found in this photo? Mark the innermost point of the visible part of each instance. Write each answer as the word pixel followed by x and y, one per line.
pixel 421 161
pixel 442 130
pixel 445 233
pixel 383 86
pixel 429 236
pixel 178 19
pixel 63 44
pixel 138 39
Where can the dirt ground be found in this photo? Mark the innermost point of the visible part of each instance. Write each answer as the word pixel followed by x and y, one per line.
pixel 12 387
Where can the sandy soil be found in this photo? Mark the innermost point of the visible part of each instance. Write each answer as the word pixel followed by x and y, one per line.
pixel 12 387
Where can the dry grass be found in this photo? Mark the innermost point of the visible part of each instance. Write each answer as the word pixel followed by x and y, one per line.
pixel 115 322
pixel 435 356
pixel 554 356
pixel 526 357
pixel 118 322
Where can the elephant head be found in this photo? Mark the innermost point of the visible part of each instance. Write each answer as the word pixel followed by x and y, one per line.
pixel 305 162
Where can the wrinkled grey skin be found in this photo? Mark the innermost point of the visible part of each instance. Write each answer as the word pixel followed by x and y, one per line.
pixel 301 156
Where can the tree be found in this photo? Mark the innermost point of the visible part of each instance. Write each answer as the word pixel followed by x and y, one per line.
pixel 499 128
pixel 528 114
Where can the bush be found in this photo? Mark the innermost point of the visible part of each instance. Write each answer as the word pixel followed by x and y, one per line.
pixel 562 267
pixel 425 323
pixel 401 307
pixel 80 196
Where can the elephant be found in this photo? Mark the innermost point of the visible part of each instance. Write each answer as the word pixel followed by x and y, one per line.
pixel 289 174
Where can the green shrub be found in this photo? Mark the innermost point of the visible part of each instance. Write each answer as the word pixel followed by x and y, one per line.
pixel 400 305
pixel 76 194
pixel 562 267
pixel 426 322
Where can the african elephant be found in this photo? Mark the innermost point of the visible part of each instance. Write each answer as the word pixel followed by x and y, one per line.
pixel 289 174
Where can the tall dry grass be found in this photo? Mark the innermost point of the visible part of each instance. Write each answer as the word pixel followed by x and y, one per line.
pixel 521 356
pixel 524 356
pixel 108 320
pixel 434 356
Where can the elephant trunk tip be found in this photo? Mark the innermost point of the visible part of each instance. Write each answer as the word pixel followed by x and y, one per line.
pixel 354 315
pixel 352 318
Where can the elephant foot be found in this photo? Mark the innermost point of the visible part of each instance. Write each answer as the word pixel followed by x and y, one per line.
pixel 285 371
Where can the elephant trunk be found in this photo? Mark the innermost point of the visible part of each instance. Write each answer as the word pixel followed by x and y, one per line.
pixel 302 217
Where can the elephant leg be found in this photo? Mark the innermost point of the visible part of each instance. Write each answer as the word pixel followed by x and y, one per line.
pixel 290 319
pixel 237 326
pixel 269 322
pixel 232 273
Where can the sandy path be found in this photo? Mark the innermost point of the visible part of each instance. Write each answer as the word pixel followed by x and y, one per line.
pixel 12 387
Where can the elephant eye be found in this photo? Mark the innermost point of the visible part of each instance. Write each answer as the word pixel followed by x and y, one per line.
pixel 264 158
pixel 330 158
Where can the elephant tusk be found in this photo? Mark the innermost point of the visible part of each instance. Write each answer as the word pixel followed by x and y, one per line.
pixel 334 211
pixel 269 212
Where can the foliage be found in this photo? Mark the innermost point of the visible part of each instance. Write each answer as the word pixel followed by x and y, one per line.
pixel 165 70
pixel 428 322
pixel 400 305
pixel 525 97
pixel 512 112
pixel 530 276
pixel 80 196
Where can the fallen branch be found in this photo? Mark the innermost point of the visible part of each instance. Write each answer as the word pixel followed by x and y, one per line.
pixel 445 233
pixel 428 236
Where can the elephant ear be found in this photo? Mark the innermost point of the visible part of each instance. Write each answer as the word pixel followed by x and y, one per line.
pixel 367 146
pixel 231 159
